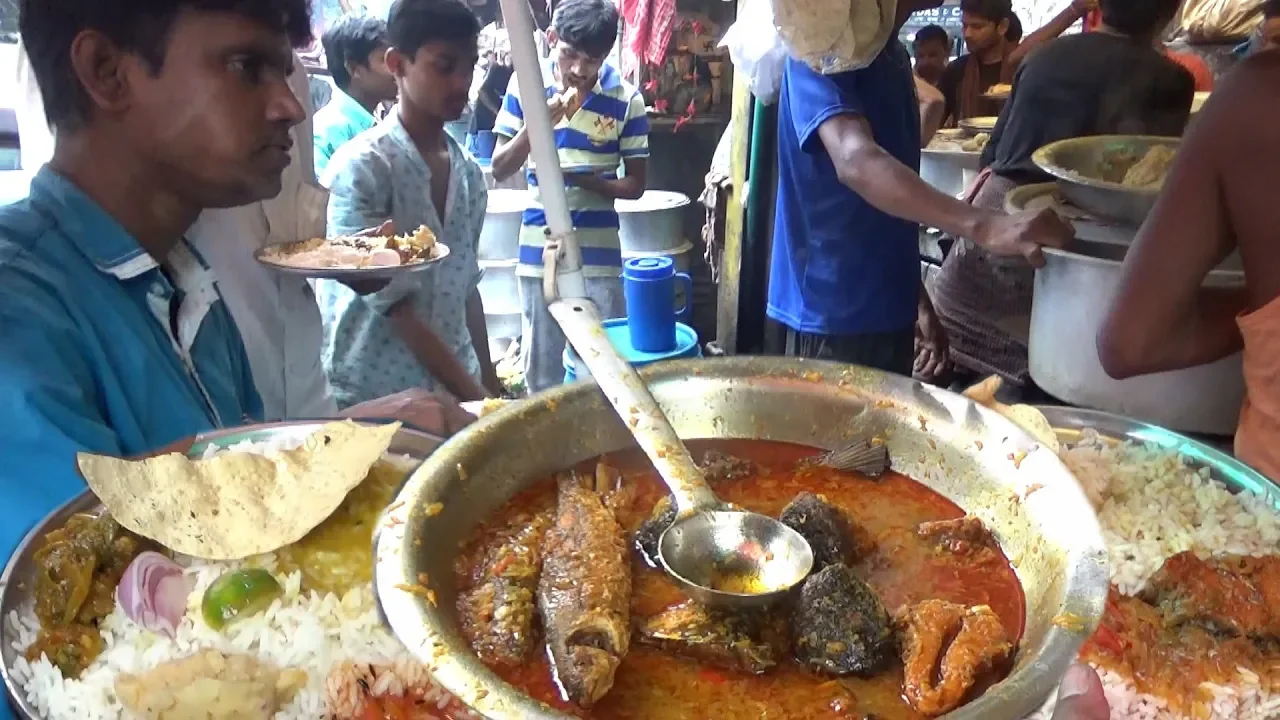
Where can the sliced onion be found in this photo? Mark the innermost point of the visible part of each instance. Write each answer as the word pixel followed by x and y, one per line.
pixel 153 593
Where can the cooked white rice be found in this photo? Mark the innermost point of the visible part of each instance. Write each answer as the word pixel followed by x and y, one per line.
pixel 312 632
pixel 1152 505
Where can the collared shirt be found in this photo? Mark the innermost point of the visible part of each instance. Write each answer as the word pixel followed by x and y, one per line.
pixel 276 314
pixel 840 266
pixel 336 124
pixel 611 126
pixel 379 176
pixel 104 349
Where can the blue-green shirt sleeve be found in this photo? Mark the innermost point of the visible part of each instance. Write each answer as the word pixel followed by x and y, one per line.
pixel 48 412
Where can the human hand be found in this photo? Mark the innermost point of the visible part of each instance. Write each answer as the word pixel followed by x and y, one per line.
pixel 425 411
pixel 1080 696
pixel 368 287
pixel 1084 7
pixel 1024 234
pixel 557 106
pixel 933 357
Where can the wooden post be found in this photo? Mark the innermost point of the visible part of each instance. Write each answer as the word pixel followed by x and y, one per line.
pixel 735 217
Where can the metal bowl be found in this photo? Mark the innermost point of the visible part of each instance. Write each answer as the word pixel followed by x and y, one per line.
pixel 16 584
pixel 970 454
pixel 1079 165
pixel 974 125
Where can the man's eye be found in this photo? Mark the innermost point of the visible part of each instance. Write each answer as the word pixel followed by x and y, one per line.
pixel 250 68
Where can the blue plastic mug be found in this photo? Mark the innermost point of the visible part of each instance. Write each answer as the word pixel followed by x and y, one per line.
pixel 649 284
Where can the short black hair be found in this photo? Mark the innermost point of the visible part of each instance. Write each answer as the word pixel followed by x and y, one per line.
pixel 1014 33
pixel 932 33
pixel 992 10
pixel 414 23
pixel 351 40
pixel 48 27
pixel 589 25
pixel 1271 9
pixel 1138 18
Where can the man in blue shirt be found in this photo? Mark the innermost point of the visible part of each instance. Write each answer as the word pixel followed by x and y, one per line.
pixel 115 338
pixel 845 277
pixel 355 49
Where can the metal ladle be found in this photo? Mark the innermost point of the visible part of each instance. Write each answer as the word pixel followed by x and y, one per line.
pixel 718 555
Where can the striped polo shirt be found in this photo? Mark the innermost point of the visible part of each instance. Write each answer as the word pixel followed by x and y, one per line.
pixel 611 126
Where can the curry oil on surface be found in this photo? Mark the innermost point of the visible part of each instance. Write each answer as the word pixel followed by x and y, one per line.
pixel 652 683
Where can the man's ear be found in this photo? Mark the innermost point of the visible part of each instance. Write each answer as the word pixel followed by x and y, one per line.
pixel 102 70
pixel 397 62
pixel 1002 28
pixel 552 37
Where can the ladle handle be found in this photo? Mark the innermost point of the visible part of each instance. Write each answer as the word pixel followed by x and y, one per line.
pixel 634 404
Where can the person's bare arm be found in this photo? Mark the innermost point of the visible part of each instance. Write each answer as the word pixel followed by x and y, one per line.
pixel 1057 25
pixel 630 187
pixel 434 354
pixel 1162 318
pixel 932 107
pixel 895 189
pixel 511 153
pixel 479 329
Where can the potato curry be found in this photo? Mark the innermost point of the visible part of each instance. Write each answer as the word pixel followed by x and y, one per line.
pixel 911 609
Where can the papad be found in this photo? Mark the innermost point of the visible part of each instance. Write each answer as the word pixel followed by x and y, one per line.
pixel 237 504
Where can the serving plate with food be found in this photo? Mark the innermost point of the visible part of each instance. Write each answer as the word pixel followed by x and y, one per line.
pixel 534 594
pixel 981 124
pixel 273 615
pixel 999 91
pixel 1114 177
pixel 356 257
pixel 1194 553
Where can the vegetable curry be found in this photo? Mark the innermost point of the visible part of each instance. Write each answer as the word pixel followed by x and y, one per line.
pixel 900 562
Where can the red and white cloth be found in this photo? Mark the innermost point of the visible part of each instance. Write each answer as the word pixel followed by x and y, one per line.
pixel 646 33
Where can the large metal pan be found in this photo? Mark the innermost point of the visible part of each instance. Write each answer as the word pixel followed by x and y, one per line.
pixel 1084 176
pixel 966 452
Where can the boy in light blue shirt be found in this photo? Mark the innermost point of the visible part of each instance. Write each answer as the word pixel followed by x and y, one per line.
pixel 115 338
pixel 427 329
pixel 611 128
pixel 355 49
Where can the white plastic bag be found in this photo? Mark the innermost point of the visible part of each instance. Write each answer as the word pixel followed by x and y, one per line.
pixel 757 52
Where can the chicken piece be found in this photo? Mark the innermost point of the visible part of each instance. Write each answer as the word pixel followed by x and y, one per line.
pixel 584 593
pixel 839 626
pixel 496 616
pixel 946 649
pixel 962 536
pixel 716 638
pixel 830 532
pixel 1230 594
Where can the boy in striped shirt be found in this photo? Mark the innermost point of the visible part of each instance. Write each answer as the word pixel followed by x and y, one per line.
pixel 610 128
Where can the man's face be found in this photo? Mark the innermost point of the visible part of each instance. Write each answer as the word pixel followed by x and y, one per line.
pixel 373 78
pixel 438 79
pixel 931 60
pixel 981 34
pixel 214 122
pixel 1271 33
pixel 574 68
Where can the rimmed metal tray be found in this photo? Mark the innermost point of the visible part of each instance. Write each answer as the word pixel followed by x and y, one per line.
pixel 1070 424
pixel 1077 166
pixel 982 124
pixel 439 252
pixel 19 572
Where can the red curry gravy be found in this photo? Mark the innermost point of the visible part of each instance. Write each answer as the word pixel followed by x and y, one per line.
pixel 655 685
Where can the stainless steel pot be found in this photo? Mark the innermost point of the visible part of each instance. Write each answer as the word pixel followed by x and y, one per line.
pixel 949 171
pixel 500 236
pixel 652 224
pixel 951 444
pixel 1072 294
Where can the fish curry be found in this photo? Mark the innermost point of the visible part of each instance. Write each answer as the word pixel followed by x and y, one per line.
pixel 911 609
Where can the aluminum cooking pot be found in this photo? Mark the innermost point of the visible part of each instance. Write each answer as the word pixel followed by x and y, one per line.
pixel 968 453
pixel 1073 292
